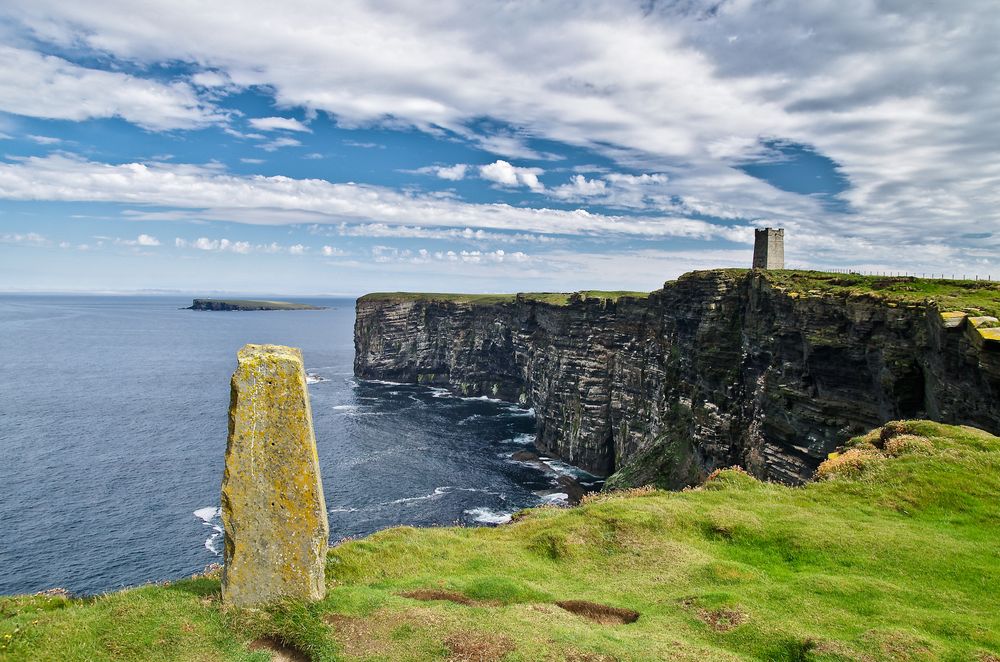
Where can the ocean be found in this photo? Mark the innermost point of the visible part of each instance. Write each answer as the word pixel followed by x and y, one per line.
pixel 113 422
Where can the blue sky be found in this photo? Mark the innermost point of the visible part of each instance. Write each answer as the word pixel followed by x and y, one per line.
pixel 246 148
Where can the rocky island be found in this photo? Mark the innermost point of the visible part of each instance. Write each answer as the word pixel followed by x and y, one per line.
pixel 768 370
pixel 249 304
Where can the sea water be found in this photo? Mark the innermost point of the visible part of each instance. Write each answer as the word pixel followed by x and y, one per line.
pixel 113 422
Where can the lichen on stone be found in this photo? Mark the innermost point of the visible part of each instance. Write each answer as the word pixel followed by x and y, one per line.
pixel 273 509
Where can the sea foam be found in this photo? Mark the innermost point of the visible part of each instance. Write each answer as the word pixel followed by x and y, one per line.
pixel 488 516
pixel 208 515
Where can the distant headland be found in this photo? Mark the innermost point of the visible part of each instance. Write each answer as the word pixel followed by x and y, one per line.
pixel 249 304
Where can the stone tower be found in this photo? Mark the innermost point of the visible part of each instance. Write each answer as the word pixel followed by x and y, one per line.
pixel 769 249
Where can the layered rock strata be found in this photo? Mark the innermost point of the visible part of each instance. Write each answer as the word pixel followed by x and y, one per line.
pixel 273 509
pixel 717 368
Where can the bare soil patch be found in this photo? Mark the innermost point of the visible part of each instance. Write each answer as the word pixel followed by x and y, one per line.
pixel 430 594
pixel 604 614
pixel 279 651
pixel 723 620
pixel 474 647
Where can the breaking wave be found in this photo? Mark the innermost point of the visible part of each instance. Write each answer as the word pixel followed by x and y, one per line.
pixel 488 516
pixel 210 516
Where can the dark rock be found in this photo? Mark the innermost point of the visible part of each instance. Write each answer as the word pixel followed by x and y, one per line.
pixel 573 489
pixel 524 456
pixel 718 368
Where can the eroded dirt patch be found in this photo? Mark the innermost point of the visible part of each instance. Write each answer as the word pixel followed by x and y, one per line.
pixel 431 594
pixel 604 614
pixel 279 651
pixel 722 620
pixel 475 647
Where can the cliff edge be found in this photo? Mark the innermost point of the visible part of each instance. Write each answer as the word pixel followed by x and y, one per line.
pixel 770 370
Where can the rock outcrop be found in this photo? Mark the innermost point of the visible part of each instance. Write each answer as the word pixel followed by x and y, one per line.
pixel 715 369
pixel 273 509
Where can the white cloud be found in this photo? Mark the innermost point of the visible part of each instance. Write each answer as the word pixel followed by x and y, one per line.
pixel 252 161
pixel 45 86
pixel 141 240
pixel 331 251
pixel 452 173
pixel 29 238
pixel 206 244
pixel 388 254
pixel 217 195
pixel 241 247
pixel 579 187
pixel 902 95
pixel 505 174
pixel 278 124
pixel 278 143
pixel 212 79
pixel 645 191
pixel 44 140
pixel 447 234
pixel 364 145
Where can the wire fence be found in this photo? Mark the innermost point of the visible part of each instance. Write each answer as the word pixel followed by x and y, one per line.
pixel 913 274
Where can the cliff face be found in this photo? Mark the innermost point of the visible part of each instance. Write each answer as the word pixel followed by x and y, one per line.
pixel 717 368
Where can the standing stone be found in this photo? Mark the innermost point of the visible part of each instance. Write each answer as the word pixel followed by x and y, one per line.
pixel 273 510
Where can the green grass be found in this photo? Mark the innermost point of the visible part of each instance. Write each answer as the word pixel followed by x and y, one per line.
pixel 976 297
pixel 553 298
pixel 893 555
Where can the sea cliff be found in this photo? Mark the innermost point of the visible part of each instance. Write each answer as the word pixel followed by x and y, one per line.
pixel 767 370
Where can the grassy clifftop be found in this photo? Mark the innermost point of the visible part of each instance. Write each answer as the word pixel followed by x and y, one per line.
pixel 894 554
pixel 554 298
pixel 973 296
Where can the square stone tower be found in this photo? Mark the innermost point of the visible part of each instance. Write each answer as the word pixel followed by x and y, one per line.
pixel 769 249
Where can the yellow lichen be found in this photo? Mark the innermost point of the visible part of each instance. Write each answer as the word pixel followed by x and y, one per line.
pixel 273 508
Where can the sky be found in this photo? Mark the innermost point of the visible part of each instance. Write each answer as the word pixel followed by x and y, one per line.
pixel 308 147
